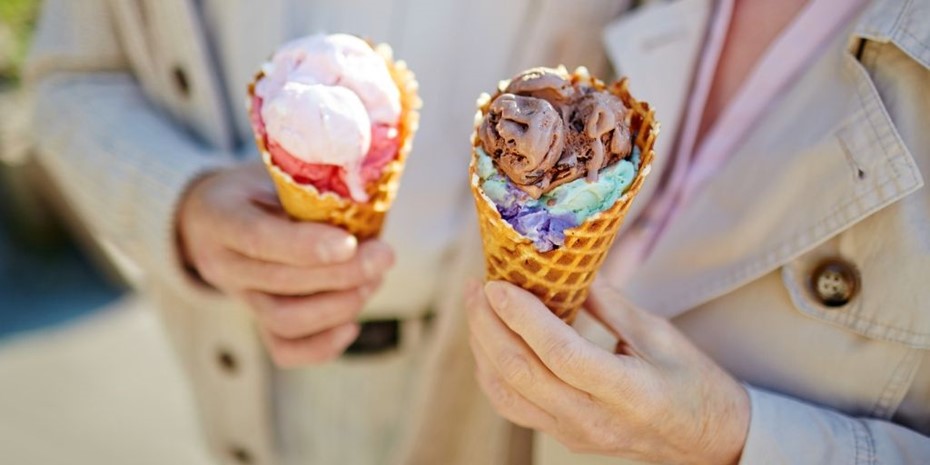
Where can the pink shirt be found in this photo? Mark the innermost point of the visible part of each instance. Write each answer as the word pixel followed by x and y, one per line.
pixel 695 161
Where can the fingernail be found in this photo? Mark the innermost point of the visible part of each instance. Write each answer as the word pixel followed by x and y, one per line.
pixel 497 293
pixel 337 250
pixel 377 257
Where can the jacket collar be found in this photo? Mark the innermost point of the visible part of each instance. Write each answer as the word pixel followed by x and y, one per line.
pixel 902 22
pixel 664 41
pixel 777 197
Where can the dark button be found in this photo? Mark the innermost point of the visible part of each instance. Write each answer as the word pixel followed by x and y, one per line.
pixel 241 455
pixel 376 337
pixel 181 84
pixel 227 361
pixel 834 282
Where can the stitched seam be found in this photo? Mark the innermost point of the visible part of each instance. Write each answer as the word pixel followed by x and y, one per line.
pixel 918 43
pixel 847 321
pixel 916 39
pixel 901 15
pixel 865 446
pixel 874 329
pixel 883 408
pixel 889 331
pixel 870 104
pixel 774 256
pixel 853 425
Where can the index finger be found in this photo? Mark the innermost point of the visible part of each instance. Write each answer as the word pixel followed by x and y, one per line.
pixel 569 356
pixel 262 235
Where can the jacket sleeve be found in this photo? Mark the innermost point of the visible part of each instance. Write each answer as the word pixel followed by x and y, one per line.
pixel 786 431
pixel 121 165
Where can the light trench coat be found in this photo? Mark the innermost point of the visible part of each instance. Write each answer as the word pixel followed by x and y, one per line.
pixel 833 170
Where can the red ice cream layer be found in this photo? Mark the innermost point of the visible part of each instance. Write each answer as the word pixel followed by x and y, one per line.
pixel 329 178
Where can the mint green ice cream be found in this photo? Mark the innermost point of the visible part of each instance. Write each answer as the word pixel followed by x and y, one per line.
pixel 574 202
pixel 584 199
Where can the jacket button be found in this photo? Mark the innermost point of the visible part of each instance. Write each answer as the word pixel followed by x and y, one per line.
pixel 227 361
pixel 181 83
pixel 241 455
pixel 834 282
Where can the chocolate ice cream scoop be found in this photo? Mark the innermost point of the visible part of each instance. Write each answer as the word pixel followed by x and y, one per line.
pixel 542 83
pixel 602 116
pixel 525 136
pixel 545 131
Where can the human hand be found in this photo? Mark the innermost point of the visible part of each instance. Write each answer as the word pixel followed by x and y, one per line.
pixel 305 282
pixel 656 399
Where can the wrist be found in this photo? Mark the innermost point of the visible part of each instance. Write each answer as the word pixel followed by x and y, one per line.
pixel 724 434
pixel 730 437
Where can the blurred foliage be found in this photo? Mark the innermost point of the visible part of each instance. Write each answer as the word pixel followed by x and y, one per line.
pixel 17 20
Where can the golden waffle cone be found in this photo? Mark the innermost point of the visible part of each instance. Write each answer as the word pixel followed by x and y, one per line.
pixel 364 220
pixel 561 277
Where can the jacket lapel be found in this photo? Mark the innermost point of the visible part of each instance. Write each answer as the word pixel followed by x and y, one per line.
pixel 778 197
pixel 168 49
pixel 664 40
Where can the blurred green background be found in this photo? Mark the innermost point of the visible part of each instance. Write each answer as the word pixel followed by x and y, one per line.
pixel 17 20
pixel 46 278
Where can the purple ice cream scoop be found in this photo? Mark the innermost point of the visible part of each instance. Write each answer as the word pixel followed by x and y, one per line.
pixel 531 220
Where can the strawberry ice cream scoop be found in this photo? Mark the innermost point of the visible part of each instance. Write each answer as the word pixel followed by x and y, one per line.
pixel 321 125
pixel 321 101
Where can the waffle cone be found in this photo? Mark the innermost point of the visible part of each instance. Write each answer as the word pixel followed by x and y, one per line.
pixel 561 277
pixel 365 220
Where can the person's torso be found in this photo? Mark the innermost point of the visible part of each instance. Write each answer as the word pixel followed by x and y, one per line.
pixel 826 193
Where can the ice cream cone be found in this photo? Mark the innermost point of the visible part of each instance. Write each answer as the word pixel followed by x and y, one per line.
pixel 364 220
pixel 561 277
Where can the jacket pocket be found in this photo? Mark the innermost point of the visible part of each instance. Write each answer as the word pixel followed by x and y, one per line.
pixel 891 298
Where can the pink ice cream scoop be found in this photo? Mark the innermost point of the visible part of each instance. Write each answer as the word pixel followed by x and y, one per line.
pixel 329 109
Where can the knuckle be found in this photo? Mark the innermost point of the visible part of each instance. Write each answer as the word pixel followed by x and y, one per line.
pixel 603 434
pixel 501 400
pixel 562 354
pixel 601 437
pixel 515 368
